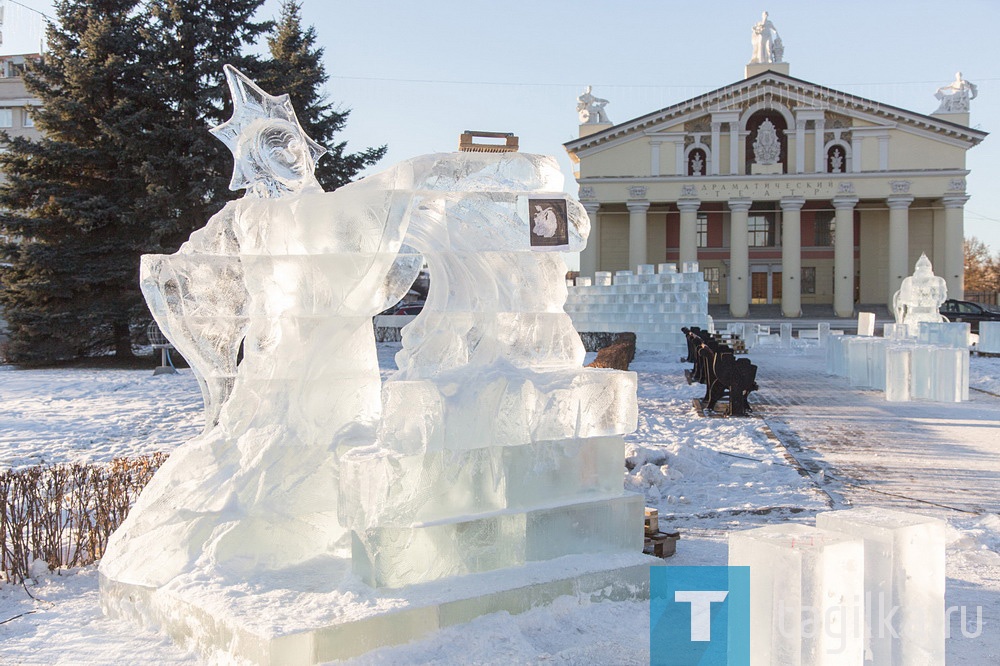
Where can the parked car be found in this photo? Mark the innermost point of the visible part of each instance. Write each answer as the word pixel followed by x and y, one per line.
pixel 968 311
pixel 409 309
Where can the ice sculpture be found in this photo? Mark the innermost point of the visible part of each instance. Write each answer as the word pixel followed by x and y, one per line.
pixel 490 449
pixel 296 279
pixel 920 295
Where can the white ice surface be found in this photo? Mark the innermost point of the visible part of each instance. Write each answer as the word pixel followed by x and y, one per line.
pixel 66 415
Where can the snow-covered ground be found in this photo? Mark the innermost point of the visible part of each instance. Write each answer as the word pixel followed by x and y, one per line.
pixel 708 476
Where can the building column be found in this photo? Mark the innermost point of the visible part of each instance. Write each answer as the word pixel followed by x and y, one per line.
pixel 819 140
pixel 689 230
pixel 654 157
pixel 899 243
pixel 590 256
pixel 954 245
pixel 843 256
pixel 739 258
pixel 734 148
pixel 791 256
pixel 680 168
pixel 857 142
pixel 800 151
pixel 637 233
pixel 716 149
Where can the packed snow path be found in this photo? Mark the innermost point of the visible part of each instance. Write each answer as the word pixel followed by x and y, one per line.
pixel 860 448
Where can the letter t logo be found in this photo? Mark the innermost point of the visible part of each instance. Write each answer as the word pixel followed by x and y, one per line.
pixel 701 610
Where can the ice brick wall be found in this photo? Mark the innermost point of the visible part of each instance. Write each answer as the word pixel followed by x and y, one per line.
pixel 653 304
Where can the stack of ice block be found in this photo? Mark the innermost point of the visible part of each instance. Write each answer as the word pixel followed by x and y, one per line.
pixel 904 569
pixel 806 594
pixel 989 337
pixel 823 333
pixel 866 323
pixel 865 586
pixel 653 305
pixel 786 335
pixel 902 367
pixel 865 359
pixel 496 448
pixel 955 334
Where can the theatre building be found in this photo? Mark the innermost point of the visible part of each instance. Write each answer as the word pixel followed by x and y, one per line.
pixel 786 192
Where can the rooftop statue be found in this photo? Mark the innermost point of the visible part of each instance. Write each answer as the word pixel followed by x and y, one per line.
pixel 955 96
pixel 591 108
pixel 767 46
pixel 920 296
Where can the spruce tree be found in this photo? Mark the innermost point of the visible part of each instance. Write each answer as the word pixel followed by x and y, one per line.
pixel 296 67
pixel 68 199
pixel 188 170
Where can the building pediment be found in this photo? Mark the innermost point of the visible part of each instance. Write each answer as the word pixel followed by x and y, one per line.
pixel 800 100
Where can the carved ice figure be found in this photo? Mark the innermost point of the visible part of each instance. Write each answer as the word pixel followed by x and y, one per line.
pixel 591 108
pixel 920 296
pixel 295 275
pixel 955 96
pixel 767 146
pixel 491 447
pixel 767 45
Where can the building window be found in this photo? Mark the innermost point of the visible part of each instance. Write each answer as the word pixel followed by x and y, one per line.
pixel 760 229
pixel 712 277
pixel 808 279
pixel 824 226
pixel 702 230
pixel 28 120
pixel 6 117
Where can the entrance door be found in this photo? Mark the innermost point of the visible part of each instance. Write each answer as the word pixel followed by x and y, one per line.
pixel 775 287
pixel 758 288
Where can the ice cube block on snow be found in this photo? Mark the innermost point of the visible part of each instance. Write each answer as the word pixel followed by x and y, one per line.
pixel 806 595
pixel 904 569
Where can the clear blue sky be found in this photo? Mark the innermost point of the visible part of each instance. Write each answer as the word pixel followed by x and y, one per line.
pixel 416 74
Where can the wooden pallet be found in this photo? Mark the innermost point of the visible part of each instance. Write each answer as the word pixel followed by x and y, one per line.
pixel 657 543
pixel 661 544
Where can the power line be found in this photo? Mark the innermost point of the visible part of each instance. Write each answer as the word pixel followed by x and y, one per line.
pixel 20 4
pixel 610 85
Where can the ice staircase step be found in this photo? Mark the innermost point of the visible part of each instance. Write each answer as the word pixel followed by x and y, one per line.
pixel 397 556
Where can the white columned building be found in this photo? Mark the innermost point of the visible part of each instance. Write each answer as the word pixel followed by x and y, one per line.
pixel 787 193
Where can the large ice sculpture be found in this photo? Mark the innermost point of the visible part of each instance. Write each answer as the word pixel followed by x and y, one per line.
pixel 920 295
pixel 492 452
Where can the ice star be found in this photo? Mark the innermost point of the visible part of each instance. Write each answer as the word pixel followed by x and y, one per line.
pixel 272 154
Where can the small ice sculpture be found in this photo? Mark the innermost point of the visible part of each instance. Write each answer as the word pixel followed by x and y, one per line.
pixel 490 448
pixel 920 296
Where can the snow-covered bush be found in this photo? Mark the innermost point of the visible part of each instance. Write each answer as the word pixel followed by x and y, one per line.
pixel 63 514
